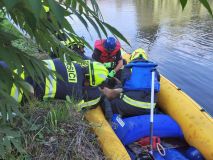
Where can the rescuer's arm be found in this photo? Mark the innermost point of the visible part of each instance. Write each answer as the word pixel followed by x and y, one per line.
pixel 119 65
pixel 96 55
pixel 119 62
pixel 113 72
pixel 111 93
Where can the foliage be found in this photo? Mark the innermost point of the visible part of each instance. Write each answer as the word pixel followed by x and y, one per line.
pixel 41 28
pixel 203 2
pixel 10 142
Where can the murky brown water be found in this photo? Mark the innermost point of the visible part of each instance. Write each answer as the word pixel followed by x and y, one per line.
pixel 180 42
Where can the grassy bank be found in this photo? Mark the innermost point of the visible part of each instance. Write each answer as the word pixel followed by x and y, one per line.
pixel 45 130
pixel 57 131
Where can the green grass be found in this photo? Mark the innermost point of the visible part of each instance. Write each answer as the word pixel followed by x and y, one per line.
pixel 71 138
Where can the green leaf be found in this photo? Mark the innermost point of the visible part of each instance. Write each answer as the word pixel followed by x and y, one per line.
pixel 101 26
pixel 40 135
pixel 17 143
pixel 10 3
pixel 26 86
pixel 68 26
pixel 34 127
pixel 116 32
pixel 206 5
pixel 9 114
pixel 81 19
pixel 183 3
pixel 30 19
pixel 2 149
pixel 67 3
pixel 94 25
pixel 86 43
pixel 68 99
pixel 57 10
pixel 74 4
pixel 36 7
pixel 4 113
pixel 9 132
pixel 80 8
pixel 96 8
pixel 7 144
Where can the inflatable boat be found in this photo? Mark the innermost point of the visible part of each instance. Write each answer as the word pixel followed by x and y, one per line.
pixel 183 119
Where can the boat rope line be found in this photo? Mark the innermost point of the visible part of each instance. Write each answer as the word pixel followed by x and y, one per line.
pixel 160 149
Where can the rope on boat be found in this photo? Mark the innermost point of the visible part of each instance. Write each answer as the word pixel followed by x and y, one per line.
pixel 161 149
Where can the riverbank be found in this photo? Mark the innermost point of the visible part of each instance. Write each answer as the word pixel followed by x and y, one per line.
pixel 47 129
pixel 57 131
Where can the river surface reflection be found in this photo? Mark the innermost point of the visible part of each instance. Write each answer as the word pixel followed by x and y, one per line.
pixel 180 42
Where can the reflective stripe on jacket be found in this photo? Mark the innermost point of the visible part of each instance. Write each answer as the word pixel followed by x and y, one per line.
pixel 135 103
pixel 50 84
pixel 92 96
pixel 69 82
pixel 83 104
pixel 106 56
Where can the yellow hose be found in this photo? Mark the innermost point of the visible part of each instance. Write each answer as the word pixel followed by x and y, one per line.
pixel 110 144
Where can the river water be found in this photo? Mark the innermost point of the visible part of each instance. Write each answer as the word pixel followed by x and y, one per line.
pixel 181 42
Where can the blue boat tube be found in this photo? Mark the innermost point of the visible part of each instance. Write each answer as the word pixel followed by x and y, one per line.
pixel 132 129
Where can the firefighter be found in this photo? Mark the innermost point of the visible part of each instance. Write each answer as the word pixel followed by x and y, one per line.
pixel 135 96
pixel 107 51
pixel 80 82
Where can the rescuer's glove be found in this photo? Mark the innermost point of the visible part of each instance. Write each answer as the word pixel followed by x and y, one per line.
pixel 111 74
pixel 109 64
